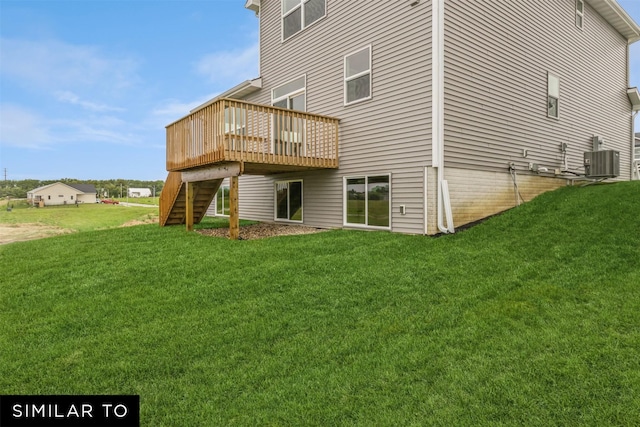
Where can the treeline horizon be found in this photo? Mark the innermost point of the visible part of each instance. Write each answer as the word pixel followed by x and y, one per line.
pixel 18 189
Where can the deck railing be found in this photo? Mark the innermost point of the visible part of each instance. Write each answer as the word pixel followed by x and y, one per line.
pixel 231 130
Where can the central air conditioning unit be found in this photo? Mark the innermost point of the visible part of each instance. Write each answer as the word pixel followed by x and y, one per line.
pixel 602 164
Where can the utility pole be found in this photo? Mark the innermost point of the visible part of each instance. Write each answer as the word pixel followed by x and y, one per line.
pixel 5 175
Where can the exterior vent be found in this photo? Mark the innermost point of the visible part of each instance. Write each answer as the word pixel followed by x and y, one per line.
pixel 602 164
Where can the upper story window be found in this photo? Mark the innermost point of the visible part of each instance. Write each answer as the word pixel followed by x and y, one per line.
pixel 291 95
pixel 299 14
pixel 357 76
pixel 288 130
pixel 553 96
pixel 579 13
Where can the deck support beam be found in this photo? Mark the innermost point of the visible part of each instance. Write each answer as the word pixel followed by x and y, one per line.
pixel 234 216
pixel 189 205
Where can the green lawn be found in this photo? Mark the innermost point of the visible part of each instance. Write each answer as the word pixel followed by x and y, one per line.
pixel 531 318
pixel 84 217
pixel 140 200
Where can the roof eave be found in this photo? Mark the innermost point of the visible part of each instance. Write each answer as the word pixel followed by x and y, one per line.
pixel 253 5
pixel 615 15
pixel 634 98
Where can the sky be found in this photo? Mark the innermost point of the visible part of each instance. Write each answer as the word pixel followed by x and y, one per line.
pixel 87 86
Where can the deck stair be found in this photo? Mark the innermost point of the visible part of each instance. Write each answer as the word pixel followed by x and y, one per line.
pixel 173 201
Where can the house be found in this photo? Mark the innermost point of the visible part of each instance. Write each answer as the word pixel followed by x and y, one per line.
pixel 59 193
pixel 139 192
pixel 413 116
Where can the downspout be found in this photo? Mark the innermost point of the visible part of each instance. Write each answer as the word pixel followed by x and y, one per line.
pixel 437 111
pixel 633 143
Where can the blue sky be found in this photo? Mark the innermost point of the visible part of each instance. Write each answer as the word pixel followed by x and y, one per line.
pixel 87 86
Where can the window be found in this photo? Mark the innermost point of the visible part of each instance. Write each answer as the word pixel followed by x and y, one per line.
pixel 222 201
pixel 299 14
pixel 48 197
pixel 367 201
pixel 288 200
pixel 579 13
pixel 553 96
pixel 71 197
pixel 291 95
pixel 288 130
pixel 357 76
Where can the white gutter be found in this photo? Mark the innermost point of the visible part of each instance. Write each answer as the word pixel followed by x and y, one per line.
pixel 437 111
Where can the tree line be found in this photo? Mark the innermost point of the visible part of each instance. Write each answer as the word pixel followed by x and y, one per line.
pixel 18 189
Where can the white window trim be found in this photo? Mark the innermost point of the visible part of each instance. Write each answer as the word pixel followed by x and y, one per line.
pixel 549 95
pixel 355 76
pixel 275 201
pixel 302 26
pixel 291 94
pixel 366 203
pixel 580 14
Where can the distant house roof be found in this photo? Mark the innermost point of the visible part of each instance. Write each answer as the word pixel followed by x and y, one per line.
pixel 82 188
pixel 85 188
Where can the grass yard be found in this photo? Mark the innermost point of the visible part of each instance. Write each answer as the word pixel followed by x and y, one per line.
pixel 531 318
pixel 139 200
pixel 84 217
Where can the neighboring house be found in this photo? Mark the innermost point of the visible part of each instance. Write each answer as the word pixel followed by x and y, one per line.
pixel 62 194
pixel 139 192
pixel 410 116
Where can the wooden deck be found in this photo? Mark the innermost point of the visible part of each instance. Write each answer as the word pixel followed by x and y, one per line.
pixel 263 139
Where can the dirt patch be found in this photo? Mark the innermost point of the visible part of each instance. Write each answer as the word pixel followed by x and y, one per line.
pixel 10 233
pixel 140 222
pixel 262 231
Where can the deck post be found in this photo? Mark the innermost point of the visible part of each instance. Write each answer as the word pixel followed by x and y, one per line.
pixel 234 218
pixel 189 205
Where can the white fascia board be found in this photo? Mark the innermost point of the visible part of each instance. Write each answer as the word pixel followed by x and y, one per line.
pixel 634 97
pixel 615 14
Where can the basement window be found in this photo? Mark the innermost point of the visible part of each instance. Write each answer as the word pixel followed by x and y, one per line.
pixel 288 201
pixel 222 201
pixel 367 201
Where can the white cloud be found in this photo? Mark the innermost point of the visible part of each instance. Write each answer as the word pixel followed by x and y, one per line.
pixel 56 65
pixel 173 109
pixel 23 129
pixel 72 98
pixel 228 68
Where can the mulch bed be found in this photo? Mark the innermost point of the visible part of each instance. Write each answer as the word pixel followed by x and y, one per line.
pixel 262 231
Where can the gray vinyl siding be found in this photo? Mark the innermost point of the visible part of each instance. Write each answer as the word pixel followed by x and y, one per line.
pixel 495 98
pixel 389 134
